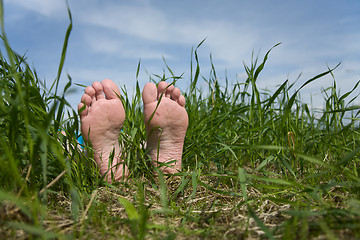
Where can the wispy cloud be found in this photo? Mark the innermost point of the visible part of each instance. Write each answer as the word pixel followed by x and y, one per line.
pixel 227 41
pixel 110 36
pixel 116 45
pixel 52 8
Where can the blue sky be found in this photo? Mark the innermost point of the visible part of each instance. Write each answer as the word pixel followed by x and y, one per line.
pixel 109 37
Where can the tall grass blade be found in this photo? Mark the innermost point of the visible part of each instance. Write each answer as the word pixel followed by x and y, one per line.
pixel 63 52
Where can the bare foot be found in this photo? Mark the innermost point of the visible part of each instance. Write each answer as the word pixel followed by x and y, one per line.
pixel 167 128
pixel 101 122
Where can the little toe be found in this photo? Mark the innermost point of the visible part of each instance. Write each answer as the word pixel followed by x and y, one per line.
pixel 149 93
pixel 82 110
pixel 181 101
pixel 99 94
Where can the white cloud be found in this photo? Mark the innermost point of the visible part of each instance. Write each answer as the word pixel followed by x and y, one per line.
pixel 144 22
pixel 108 44
pixel 228 42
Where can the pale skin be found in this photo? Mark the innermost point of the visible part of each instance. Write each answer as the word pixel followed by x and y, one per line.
pixel 102 116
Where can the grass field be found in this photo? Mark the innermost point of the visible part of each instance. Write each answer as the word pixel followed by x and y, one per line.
pixel 255 164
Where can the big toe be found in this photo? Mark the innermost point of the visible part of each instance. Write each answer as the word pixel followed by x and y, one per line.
pixel 149 94
pixel 110 89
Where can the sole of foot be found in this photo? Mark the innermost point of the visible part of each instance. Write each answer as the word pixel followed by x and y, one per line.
pixel 102 116
pixel 166 122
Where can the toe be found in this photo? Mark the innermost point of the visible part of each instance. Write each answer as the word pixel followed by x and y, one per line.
pixel 82 110
pixel 181 101
pixel 169 90
pixel 110 89
pixel 86 99
pixel 149 93
pixel 175 94
pixel 165 87
pixel 90 91
pixel 161 88
pixel 99 94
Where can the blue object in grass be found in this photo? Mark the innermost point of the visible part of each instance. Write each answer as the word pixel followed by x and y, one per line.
pixel 81 141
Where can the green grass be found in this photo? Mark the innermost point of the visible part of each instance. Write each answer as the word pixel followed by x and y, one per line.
pixel 256 164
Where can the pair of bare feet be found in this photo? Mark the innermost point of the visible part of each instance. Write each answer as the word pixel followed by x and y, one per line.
pixel 102 117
